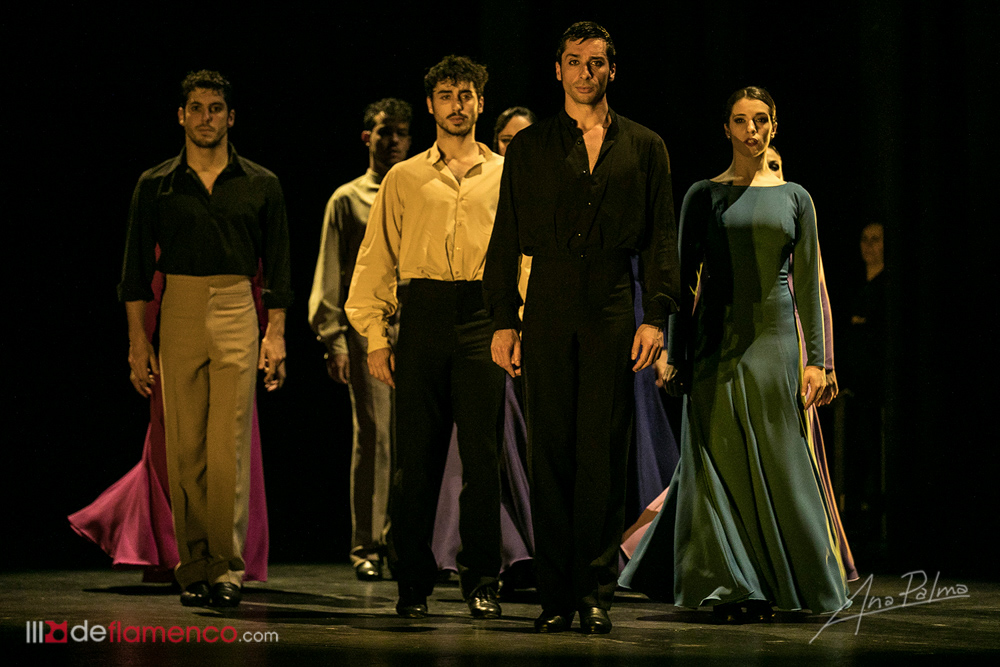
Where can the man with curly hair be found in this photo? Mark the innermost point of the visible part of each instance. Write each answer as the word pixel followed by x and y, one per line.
pixel 431 225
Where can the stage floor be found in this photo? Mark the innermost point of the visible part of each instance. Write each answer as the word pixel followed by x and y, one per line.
pixel 312 613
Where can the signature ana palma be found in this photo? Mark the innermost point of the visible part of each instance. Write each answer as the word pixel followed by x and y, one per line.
pixel 917 592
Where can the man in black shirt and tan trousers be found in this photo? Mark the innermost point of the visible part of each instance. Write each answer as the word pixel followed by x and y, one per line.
pixel 216 217
pixel 581 193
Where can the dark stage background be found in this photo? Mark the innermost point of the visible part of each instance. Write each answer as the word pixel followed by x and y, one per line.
pixel 883 115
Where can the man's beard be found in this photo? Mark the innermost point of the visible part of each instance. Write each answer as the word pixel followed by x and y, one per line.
pixel 460 131
pixel 207 143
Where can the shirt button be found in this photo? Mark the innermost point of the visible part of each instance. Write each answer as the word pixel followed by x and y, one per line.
pixel 579 141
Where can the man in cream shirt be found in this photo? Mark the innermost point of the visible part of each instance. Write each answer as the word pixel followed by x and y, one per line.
pixel 431 225
pixel 387 136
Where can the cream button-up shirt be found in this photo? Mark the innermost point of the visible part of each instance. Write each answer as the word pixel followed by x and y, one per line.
pixel 424 224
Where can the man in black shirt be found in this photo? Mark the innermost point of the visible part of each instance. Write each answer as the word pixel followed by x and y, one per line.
pixel 582 193
pixel 215 218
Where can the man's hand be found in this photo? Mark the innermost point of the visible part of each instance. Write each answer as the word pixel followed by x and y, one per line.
pixel 382 364
pixel 506 351
pixel 338 367
pixel 665 372
pixel 145 367
pixel 813 384
pixel 646 346
pixel 272 350
pixel 831 390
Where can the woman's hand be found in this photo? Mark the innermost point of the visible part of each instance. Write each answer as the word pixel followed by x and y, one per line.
pixel 813 384
pixel 673 379
pixel 831 390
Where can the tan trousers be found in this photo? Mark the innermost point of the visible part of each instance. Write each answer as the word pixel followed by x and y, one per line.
pixel 208 360
pixel 371 458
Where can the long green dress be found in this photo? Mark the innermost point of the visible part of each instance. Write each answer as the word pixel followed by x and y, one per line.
pixel 745 518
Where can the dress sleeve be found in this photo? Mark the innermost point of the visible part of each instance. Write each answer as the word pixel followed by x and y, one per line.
pixel 827 315
pixel 326 312
pixel 696 211
pixel 806 276
pixel 500 276
pixel 371 299
pixel 658 263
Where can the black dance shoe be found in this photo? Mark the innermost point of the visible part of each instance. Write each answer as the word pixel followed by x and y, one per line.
pixel 759 611
pixel 594 621
pixel 727 613
pixel 559 622
pixel 411 605
pixel 197 594
pixel 483 603
pixel 368 570
pixel 226 594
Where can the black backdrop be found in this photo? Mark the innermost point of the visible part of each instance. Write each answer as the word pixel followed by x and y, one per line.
pixel 883 115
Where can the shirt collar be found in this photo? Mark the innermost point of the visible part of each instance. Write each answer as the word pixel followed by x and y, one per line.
pixel 434 154
pixel 570 123
pixel 234 159
pixel 374 176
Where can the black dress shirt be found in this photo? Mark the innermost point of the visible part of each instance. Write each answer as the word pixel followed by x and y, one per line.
pixel 552 205
pixel 241 224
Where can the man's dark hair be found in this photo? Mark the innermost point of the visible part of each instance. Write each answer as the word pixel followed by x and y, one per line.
pixel 585 30
pixel 209 79
pixel 397 110
pixel 457 69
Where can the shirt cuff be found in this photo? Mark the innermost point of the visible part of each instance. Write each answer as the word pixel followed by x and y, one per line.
pixel 505 317
pixel 337 345
pixel 377 342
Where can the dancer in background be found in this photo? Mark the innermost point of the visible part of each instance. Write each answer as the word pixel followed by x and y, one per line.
pixel 386 133
pixel 517 540
pixel 746 523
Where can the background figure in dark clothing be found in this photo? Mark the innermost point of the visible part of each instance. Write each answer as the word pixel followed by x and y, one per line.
pixel 581 192
pixel 864 462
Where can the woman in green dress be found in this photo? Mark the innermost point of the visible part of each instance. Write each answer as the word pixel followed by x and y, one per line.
pixel 746 524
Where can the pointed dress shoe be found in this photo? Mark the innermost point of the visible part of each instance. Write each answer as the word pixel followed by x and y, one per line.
pixel 197 594
pixel 594 621
pixel 411 605
pixel 548 622
pixel 368 570
pixel 483 603
pixel 226 594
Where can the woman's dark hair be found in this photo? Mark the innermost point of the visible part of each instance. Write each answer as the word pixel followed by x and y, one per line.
pixel 505 117
pixel 754 93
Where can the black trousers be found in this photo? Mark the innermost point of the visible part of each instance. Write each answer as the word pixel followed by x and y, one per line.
pixel 445 375
pixel 578 329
